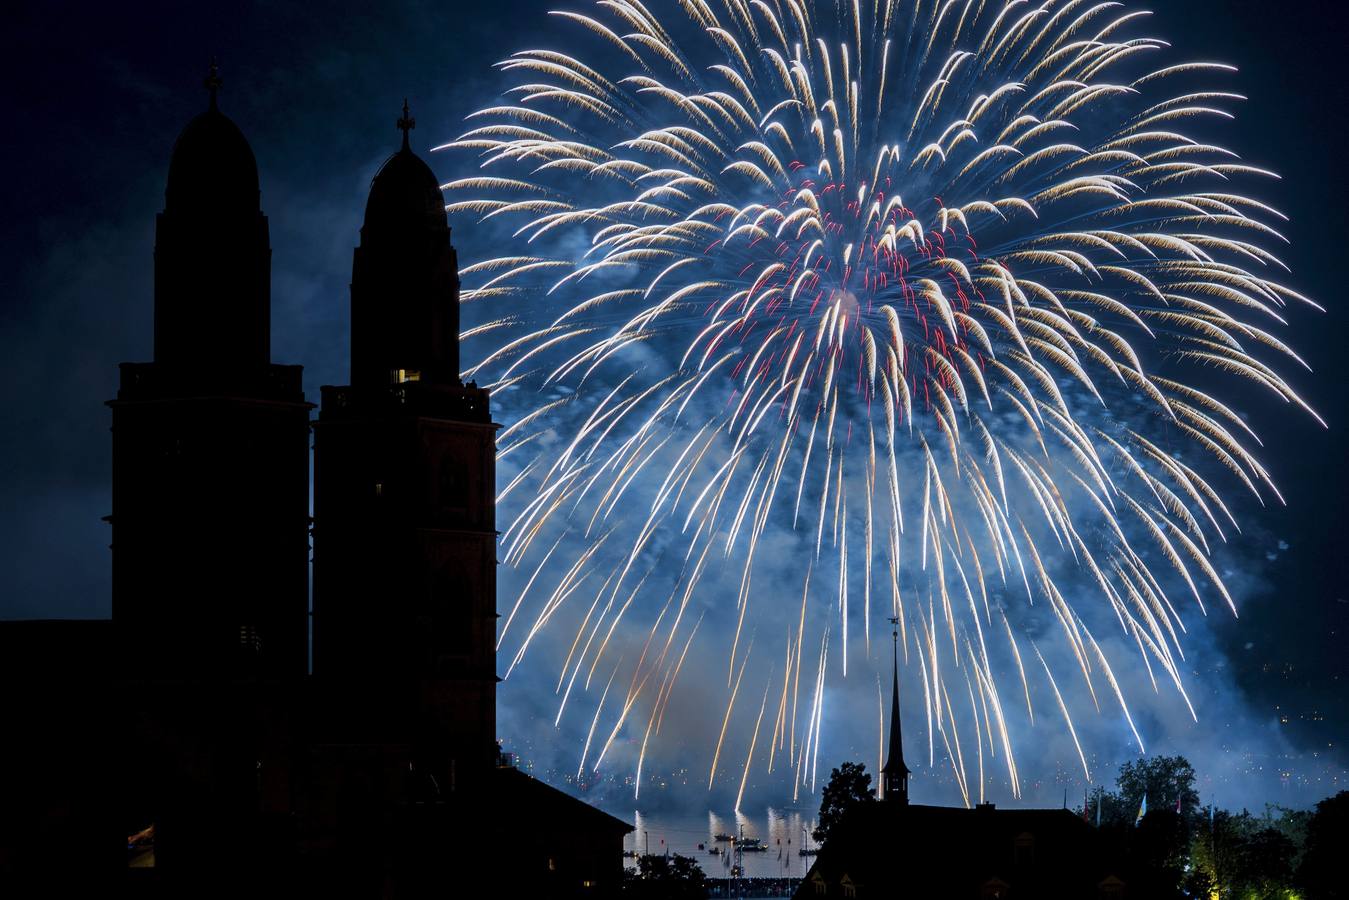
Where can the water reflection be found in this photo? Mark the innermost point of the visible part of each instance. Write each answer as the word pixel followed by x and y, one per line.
pixel 770 842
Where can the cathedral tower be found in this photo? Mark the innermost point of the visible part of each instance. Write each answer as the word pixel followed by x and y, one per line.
pixel 404 489
pixel 210 440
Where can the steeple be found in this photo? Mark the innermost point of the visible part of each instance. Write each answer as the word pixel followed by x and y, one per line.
pixel 895 775
pixel 405 281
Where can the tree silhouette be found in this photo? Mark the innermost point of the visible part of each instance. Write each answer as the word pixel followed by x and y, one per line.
pixel 849 786
pixel 672 877
pixel 1158 850
pixel 1168 782
pixel 1321 874
pixel 1244 855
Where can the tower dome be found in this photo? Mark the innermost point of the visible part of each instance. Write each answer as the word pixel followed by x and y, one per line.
pixel 405 194
pixel 212 253
pixel 405 279
pixel 212 170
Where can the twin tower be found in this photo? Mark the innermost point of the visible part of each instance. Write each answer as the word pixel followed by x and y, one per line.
pixel 211 518
pixel 222 735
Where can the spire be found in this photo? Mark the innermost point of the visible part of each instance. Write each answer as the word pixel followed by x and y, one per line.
pixel 895 775
pixel 213 82
pixel 405 124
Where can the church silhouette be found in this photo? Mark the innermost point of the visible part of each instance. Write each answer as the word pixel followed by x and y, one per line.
pixel 189 746
pixel 897 849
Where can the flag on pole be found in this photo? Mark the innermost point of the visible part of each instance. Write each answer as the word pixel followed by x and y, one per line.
pixel 1142 809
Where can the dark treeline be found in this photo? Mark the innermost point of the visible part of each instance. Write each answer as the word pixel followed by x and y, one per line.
pixel 1190 850
pixel 1176 848
pixel 1172 846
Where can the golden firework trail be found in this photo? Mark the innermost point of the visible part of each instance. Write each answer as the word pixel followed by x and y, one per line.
pixel 949 295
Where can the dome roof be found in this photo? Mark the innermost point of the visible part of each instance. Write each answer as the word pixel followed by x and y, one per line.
pixel 212 167
pixel 405 194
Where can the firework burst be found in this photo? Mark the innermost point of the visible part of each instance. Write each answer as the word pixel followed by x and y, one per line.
pixel 947 291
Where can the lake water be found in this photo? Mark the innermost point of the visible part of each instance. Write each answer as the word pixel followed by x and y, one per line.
pixel 783 831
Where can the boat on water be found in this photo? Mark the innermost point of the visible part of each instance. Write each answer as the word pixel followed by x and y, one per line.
pixel 715 851
pixel 722 838
pixel 752 845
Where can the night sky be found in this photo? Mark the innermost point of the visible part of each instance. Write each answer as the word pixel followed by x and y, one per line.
pixel 95 96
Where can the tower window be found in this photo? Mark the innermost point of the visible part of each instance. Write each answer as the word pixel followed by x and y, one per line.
pixel 250 640
pixel 401 376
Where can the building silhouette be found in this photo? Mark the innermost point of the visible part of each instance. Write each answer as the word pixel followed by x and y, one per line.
pixel 185 748
pixel 404 489
pixel 895 849
pixel 211 440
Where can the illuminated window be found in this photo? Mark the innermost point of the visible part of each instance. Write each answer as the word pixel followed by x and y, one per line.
pixel 401 376
pixel 250 640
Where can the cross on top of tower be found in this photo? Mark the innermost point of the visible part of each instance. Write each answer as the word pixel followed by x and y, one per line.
pixel 212 82
pixel 406 124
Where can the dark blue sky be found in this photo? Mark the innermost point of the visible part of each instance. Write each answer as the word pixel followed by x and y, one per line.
pixel 95 95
